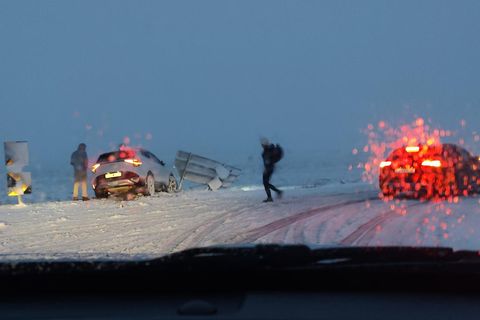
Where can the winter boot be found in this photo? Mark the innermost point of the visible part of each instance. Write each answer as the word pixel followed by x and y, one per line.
pixel 280 194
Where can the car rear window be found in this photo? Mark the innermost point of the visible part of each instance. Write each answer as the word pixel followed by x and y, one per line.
pixel 409 158
pixel 116 156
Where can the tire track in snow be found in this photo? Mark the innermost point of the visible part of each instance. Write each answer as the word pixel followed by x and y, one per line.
pixel 203 230
pixel 198 233
pixel 257 233
pixel 367 230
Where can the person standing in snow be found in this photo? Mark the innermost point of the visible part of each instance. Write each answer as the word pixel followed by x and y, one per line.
pixel 271 155
pixel 79 161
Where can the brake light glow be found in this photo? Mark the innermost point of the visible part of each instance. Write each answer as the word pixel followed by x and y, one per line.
pixel 432 163
pixel 412 149
pixel 135 162
pixel 95 167
pixel 384 164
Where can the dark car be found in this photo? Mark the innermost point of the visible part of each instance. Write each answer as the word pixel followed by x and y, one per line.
pixel 427 171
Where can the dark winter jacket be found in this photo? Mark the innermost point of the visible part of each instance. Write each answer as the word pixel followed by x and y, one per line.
pixel 79 160
pixel 271 155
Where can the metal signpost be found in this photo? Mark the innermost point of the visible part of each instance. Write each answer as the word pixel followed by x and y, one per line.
pixel 16 158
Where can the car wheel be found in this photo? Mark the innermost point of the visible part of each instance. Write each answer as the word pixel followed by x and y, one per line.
pixel 462 182
pixel 149 185
pixel 172 184
pixel 101 195
pixel 475 185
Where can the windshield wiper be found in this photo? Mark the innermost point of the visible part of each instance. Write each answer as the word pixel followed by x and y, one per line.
pixel 273 266
pixel 258 257
pixel 378 255
pixel 271 256
pixel 238 257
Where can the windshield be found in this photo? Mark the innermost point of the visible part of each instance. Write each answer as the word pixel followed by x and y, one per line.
pixel 324 123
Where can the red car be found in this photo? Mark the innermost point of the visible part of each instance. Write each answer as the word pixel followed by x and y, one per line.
pixel 430 171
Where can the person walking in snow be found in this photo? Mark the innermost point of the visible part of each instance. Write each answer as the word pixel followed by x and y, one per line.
pixel 271 155
pixel 79 161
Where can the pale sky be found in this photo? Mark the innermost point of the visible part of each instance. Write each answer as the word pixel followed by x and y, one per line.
pixel 214 76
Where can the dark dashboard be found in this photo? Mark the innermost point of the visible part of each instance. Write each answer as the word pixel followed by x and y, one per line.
pixel 255 283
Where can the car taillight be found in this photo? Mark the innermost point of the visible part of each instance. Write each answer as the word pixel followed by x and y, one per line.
pixel 384 164
pixel 95 167
pixel 135 162
pixel 432 163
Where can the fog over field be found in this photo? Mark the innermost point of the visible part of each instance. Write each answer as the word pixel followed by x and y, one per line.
pixel 213 76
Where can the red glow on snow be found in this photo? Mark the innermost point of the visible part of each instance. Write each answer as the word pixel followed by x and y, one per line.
pixel 441 218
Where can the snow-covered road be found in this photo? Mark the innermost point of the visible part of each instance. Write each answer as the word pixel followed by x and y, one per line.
pixel 349 214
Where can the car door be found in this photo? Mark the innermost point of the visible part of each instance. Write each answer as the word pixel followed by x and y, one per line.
pixel 163 171
pixel 149 164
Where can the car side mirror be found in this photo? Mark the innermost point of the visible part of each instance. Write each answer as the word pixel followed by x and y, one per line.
pixel 162 163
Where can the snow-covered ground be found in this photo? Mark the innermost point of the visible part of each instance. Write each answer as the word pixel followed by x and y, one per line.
pixel 333 214
pixel 324 204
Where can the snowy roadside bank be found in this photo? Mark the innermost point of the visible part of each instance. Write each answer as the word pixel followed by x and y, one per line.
pixel 149 226
pixel 334 214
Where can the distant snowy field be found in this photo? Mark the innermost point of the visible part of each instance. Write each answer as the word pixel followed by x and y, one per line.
pixel 55 183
